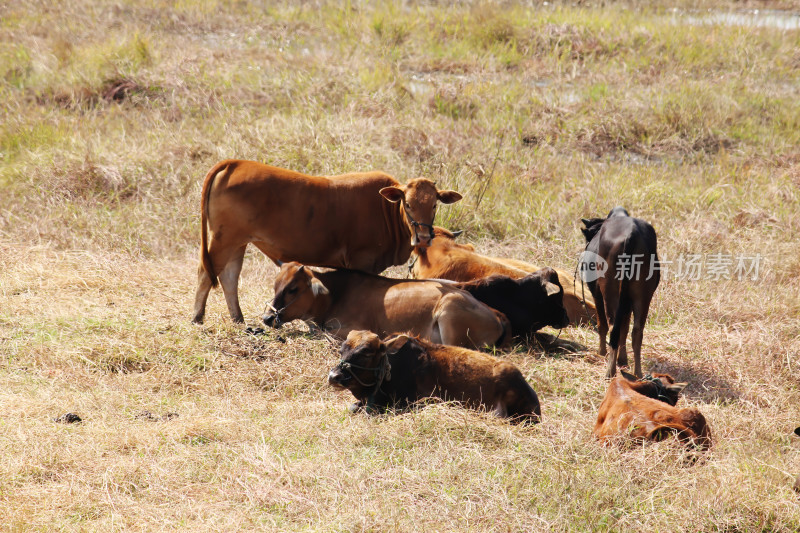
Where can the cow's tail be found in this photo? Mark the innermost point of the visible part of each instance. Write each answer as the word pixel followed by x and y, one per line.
pixel 205 257
pixel 623 310
pixel 624 305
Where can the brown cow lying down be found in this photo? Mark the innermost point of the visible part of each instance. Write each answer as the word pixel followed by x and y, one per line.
pixel 447 259
pixel 342 300
pixel 645 410
pixel 394 373
pixel 529 303
pixel 366 221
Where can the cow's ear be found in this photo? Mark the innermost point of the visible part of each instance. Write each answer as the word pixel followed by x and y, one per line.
pixel 797 431
pixel 677 388
pixel 551 288
pixel 317 288
pixel 628 376
pixel 393 194
pixel 394 344
pixel 448 197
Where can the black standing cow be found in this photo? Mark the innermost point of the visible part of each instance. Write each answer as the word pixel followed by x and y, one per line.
pixel 620 266
pixel 530 303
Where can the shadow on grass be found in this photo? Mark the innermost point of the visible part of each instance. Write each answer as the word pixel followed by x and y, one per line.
pixel 553 346
pixel 263 344
pixel 704 384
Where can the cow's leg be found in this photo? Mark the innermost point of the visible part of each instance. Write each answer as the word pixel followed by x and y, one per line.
pixel 229 279
pixel 641 306
pixel 203 288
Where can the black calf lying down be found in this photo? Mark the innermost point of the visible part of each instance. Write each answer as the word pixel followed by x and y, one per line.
pixel 530 303
pixel 393 373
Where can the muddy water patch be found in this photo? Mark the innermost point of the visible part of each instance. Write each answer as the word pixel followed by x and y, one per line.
pixel 753 18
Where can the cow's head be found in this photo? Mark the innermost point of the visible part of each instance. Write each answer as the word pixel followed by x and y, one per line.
pixel 419 197
pixel 449 237
pixel 297 294
pixel 545 282
pixel 364 365
pixel 618 211
pixel 660 387
pixel 592 225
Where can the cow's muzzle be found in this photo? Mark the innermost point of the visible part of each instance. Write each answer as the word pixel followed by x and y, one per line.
pixel 272 320
pixel 339 379
pixel 273 317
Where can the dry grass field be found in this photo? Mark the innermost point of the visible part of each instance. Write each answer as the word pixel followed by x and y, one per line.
pixel 111 113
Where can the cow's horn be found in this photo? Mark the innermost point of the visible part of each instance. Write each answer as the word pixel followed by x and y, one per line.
pixel 457 233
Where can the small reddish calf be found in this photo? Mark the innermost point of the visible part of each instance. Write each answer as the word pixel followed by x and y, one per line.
pixel 645 410
pixel 400 370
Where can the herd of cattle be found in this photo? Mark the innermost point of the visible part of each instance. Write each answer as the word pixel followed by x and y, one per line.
pixel 409 339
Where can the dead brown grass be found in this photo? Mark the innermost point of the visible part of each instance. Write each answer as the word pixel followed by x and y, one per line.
pixel 539 115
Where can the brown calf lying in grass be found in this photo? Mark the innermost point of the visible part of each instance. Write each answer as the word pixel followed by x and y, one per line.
pixel 444 258
pixel 394 373
pixel 645 410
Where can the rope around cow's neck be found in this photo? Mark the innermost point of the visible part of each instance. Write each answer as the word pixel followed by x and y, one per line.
pixel 415 225
pixel 382 372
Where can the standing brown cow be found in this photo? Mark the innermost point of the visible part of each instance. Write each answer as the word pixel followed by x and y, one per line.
pixel 332 221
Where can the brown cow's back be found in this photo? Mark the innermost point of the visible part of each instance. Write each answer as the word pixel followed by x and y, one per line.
pixel 340 221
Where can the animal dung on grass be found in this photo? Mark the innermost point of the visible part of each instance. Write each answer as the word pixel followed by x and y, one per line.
pixel 400 370
pixel 68 418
